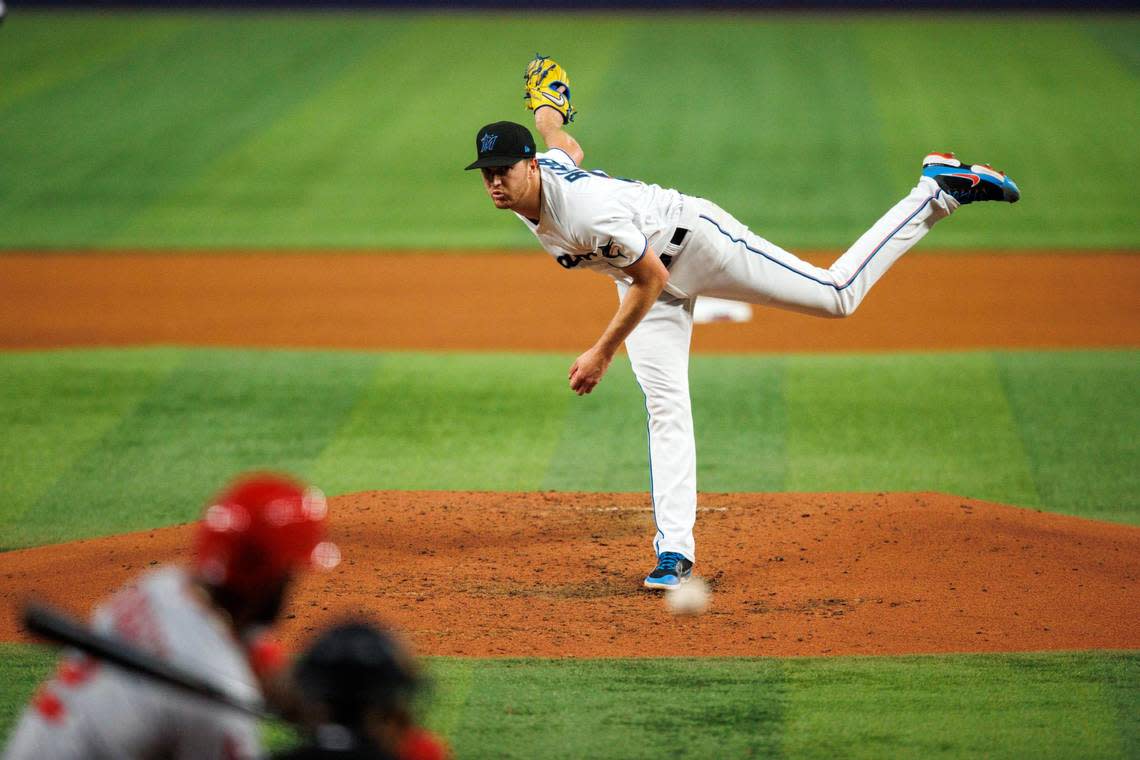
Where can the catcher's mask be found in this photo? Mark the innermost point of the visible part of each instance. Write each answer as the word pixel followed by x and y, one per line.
pixel 355 669
pixel 256 534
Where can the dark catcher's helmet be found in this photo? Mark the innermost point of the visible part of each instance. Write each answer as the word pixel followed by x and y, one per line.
pixel 355 669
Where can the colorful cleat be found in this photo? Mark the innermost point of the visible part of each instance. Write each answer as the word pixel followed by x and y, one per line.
pixel 672 570
pixel 969 183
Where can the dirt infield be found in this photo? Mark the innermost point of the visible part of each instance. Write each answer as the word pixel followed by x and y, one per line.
pixel 546 574
pixel 524 302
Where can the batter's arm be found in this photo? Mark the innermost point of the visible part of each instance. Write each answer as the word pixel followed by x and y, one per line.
pixel 548 122
pixel 649 278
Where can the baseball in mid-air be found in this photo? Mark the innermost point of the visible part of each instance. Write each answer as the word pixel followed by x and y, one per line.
pixel 690 599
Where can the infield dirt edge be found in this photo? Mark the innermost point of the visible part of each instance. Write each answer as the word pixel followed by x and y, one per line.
pixel 553 574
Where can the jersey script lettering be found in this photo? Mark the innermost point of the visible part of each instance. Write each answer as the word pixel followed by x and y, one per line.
pixel 610 250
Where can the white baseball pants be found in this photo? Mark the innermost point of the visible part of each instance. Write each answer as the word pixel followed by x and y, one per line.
pixel 723 258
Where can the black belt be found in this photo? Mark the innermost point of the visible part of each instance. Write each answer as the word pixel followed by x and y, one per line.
pixel 678 238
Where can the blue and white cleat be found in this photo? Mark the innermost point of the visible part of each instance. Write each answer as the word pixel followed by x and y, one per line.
pixel 966 184
pixel 672 570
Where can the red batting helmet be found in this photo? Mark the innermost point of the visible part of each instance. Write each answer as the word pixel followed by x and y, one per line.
pixel 258 532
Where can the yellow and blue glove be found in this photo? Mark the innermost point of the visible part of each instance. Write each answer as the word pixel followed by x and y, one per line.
pixel 548 84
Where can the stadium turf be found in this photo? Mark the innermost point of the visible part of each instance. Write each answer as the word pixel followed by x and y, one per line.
pixel 140 437
pixel 281 130
pixel 1058 705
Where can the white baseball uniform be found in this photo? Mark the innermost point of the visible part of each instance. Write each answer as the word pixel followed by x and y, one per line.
pixel 91 710
pixel 589 220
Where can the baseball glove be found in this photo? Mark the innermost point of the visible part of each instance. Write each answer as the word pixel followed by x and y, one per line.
pixel 548 84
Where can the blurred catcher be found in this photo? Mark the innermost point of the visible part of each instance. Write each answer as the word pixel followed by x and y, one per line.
pixel 354 690
pixel 664 249
pixel 209 618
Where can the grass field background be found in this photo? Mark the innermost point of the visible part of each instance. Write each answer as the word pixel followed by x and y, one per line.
pixel 282 131
pixel 999 706
pixel 173 130
pixel 141 437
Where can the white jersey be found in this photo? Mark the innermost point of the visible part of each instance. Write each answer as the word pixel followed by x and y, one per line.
pixel 593 221
pixel 93 710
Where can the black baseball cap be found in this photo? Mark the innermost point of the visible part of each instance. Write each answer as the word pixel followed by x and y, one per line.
pixel 502 144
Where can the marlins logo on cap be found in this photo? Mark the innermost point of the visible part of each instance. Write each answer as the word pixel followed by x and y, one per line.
pixel 503 143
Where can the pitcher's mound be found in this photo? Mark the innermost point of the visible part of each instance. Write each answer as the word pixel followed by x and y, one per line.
pixel 559 574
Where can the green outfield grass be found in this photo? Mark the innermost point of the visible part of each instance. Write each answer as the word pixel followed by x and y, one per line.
pixel 168 130
pixel 998 706
pixel 141 437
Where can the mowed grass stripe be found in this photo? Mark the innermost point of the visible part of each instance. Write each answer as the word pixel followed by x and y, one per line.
pixel 1120 688
pixel 1118 38
pixel 904 423
pixel 143 445
pixel 448 421
pixel 1048 705
pixel 1079 431
pixel 603 444
pixel 218 413
pixel 742 422
pixel 179 103
pixel 56 408
pixel 1011 101
pixel 38 58
pixel 1060 705
pixel 618 708
pixel 282 176
pixel 326 130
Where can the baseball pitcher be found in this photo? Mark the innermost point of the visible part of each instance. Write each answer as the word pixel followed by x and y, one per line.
pixel 664 249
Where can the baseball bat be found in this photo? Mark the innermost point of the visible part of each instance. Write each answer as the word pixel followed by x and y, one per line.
pixel 63 629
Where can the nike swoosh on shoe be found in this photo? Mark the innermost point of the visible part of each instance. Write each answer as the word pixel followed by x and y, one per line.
pixel 974 178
